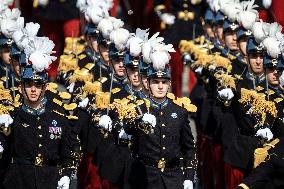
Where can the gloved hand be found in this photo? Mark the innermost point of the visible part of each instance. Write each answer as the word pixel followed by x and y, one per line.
pixel 168 18
pixel 70 88
pixel 265 134
pixel 187 184
pixel 43 3
pixel 84 103
pixel 226 94
pixel 105 122
pixel 122 134
pixel 149 118
pixel 6 120
pixel 266 3
pixel 63 183
pixel 199 70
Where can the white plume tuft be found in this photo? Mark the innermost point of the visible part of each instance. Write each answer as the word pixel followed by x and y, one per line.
pixel 120 37
pixel 135 42
pixel 107 25
pixel 11 22
pixel 230 8
pixel 248 15
pixel 160 59
pixel 272 46
pixel 149 44
pixel 39 52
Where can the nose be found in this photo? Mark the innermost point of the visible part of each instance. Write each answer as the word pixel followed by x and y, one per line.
pixel 33 88
pixel 235 37
pixel 160 85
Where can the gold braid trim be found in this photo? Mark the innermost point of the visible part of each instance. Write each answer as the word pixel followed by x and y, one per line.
pixel 244 186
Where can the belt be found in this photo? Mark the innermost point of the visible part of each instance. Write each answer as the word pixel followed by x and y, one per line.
pixel 161 163
pixel 38 161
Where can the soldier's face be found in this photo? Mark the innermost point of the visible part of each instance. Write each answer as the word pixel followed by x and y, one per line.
pixel 243 46
pixel 118 67
pixel 256 63
pixel 209 31
pixel 133 76
pixel 5 55
pixel 159 87
pixel 145 82
pixel 230 39
pixel 104 53
pixel 16 67
pixel 94 44
pixel 273 76
pixel 32 91
pixel 219 32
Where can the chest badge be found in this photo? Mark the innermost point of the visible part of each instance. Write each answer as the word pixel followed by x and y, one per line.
pixel 54 130
pixel 174 115
pixel 54 123
pixel 25 125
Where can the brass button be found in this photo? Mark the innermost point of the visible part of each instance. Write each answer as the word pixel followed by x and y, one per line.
pixel 164 136
pixel 185 5
pixel 39 127
pixel 39 155
pixel 161 113
pixel 40 145
pixel 163 125
pixel 40 136
pixel 164 148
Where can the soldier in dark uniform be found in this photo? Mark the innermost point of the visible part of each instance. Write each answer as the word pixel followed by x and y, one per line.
pixel 43 147
pixel 5 67
pixel 181 21
pixel 160 154
pixel 269 170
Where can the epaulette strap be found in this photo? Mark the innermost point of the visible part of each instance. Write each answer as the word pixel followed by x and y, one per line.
pixel 58 102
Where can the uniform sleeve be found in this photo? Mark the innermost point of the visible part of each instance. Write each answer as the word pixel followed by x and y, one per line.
pixel 188 150
pixel 259 177
pixel 70 151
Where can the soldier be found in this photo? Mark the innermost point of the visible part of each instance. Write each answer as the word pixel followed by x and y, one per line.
pixel 49 148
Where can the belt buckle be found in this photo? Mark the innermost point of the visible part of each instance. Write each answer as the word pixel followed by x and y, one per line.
pixel 162 164
pixel 39 161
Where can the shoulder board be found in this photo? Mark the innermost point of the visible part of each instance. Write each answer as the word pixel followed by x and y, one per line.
pixel 139 102
pixel 56 101
pixel 115 90
pixel 70 107
pixel 52 85
pixel 231 57
pixel 55 111
pixel 65 95
pixel 190 108
pixel 270 92
pixel 277 100
pixel 72 117
pixel 259 88
pixel 102 79
pixel 171 96
pixel 81 56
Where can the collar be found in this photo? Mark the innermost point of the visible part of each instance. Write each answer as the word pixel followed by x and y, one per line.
pixel 90 52
pixel 33 111
pixel 253 77
pixel 102 64
pixel 119 80
pixel 158 105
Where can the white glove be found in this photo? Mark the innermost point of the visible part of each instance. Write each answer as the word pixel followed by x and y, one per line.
pixel 43 3
pixel 6 120
pixel 122 134
pixel 149 118
pixel 187 184
pixel 168 19
pixel 105 122
pixel 199 70
pixel 1 148
pixel 267 3
pixel 226 94
pixel 71 87
pixel 63 183
pixel 84 103
pixel 265 133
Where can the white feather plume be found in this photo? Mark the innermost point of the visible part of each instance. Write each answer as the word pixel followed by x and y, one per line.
pixel 136 40
pixel 248 14
pixel 149 44
pixel 120 37
pixel 214 5
pixel 160 59
pixel 107 25
pixel 272 46
pixel 11 22
pixel 39 53
pixel 258 31
pixel 230 8
pixel 95 14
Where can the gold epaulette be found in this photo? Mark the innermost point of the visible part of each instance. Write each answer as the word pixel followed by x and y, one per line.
pixel 92 87
pixel 259 88
pixel 260 154
pixel 82 56
pixel 65 95
pixel 52 87
pixel 70 107
pixel 115 90
pixel 185 103
pixel 171 96
pixel 277 100
pixel 270 92
pixel 102 100
pixel 244 186
pixel 226 80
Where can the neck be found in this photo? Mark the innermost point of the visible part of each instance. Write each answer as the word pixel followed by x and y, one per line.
pixel 35 105
pixel 159 100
